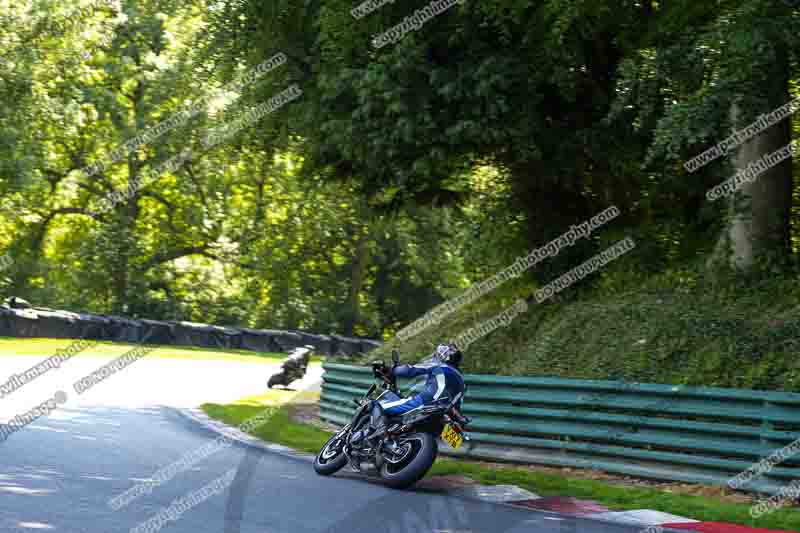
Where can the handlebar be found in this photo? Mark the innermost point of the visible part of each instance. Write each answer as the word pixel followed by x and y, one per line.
pixel 390 381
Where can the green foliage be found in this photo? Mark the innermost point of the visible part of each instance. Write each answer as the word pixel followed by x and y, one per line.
pixel 400 177
pixel 244 234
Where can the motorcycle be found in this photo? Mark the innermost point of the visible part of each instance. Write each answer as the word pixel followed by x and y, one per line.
pixel 294 367
pixel 407 449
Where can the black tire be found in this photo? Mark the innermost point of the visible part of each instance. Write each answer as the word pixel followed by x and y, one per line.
pixel 404 475
pixel 326 464
pixel 275 379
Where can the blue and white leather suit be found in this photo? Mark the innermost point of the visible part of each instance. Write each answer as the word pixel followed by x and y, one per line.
pixel 443 381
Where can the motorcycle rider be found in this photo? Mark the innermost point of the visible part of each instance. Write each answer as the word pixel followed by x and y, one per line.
pixel 444 382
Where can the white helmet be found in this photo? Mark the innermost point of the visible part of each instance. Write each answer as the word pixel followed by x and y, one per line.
pixel 448 353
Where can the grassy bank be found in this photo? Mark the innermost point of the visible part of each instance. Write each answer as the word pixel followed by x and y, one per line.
pixel 282 430
pixel 683 327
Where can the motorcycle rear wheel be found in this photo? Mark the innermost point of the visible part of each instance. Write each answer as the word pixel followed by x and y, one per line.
pixel 414 465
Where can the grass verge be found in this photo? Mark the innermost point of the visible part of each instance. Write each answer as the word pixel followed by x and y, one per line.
pixel 281 429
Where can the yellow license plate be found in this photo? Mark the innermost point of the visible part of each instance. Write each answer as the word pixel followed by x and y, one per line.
pixel 451 437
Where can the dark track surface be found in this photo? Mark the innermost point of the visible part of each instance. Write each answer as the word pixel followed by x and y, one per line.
pixel 59 473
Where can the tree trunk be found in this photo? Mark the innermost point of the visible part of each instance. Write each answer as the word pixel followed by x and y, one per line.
pixel 759 211
pixel 124 250
pixel 358 272
pixel 381 291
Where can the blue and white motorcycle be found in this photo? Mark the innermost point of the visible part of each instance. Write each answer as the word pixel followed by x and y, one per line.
pixel 406 451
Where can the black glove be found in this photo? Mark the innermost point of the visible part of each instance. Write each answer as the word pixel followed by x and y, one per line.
pixel 379 368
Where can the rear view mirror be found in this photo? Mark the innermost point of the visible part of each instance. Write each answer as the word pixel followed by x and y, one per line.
pixel 395 357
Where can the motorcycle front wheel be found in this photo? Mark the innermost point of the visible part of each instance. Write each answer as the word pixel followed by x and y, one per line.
pixel 331 457
pixel 411 462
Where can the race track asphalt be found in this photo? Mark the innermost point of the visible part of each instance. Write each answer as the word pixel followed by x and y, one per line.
pixel 59 474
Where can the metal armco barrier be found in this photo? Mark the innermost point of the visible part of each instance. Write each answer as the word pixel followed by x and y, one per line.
pixel 664 432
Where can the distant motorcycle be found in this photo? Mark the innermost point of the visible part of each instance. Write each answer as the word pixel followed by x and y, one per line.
pixel 294 367
pixel 405 453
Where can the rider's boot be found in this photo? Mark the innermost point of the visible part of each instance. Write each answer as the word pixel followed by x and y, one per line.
pixel 372 428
